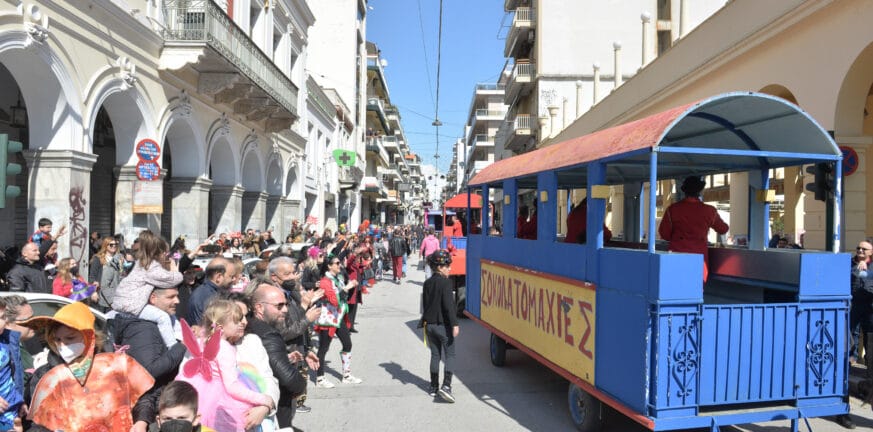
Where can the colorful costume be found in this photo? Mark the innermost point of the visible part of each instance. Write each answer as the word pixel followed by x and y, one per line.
pixel 95 393
pixel 223 398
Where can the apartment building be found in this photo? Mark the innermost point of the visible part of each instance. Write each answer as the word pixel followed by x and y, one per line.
pixel 391 184
pixel 778 50
pixel 564 57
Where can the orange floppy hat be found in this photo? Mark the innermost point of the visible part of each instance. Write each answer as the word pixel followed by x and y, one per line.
pixel 75 315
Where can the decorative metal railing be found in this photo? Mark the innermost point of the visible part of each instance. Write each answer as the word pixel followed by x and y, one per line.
pixel 203 21
pixel 317 97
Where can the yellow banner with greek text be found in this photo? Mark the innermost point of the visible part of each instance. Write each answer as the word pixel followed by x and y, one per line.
pixel 549 314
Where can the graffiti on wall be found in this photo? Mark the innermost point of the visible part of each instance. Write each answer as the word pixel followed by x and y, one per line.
pixel 78 230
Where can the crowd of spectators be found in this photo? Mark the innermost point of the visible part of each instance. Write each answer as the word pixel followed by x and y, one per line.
pixel 193 339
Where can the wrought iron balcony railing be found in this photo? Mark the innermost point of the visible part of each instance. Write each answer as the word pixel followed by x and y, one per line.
pixel 192 22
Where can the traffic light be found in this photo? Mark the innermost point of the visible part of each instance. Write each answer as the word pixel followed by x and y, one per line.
pixel 823 184
pixel 7 148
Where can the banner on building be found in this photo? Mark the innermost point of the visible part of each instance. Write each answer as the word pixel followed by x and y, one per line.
pixel 148 197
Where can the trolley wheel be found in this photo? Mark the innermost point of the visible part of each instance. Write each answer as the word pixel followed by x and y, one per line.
pixel 498 350
pixel 584 409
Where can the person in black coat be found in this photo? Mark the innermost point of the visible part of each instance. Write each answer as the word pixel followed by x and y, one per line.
pixel 269 307
pixel 440 322
pixel 143 342
pixel 28 274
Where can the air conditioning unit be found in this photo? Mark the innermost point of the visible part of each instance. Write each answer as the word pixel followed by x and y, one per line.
pixel 531 36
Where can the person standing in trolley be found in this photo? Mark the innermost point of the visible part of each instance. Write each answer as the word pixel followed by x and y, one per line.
pixel 686 223
pixel 440 323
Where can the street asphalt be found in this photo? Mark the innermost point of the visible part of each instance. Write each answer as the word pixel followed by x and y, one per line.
pixel 388 354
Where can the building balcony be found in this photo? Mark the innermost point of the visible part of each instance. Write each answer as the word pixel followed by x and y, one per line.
pixel 318 98
pixel 519 133
pixel 474 169
pixel 509 5
pixel 206 49
pixel 521 81
pixel 482 141
pixel 373 187
pixel 393 116
pixel 377 74
pixel 489 88
pixel 375 146
pixel 486 114
pixel 392 198
pixel 376 116
pixel 521 33
pixel 392 145
pixel 390 171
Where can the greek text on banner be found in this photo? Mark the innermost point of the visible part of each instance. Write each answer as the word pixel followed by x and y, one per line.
pixel 549 314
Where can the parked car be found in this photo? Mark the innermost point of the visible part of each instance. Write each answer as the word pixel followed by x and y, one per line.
pixel 48 305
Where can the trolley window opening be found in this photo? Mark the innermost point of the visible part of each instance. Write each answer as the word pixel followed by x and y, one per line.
pixel 495 210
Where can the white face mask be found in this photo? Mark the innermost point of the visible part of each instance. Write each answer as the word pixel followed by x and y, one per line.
pixel 71 352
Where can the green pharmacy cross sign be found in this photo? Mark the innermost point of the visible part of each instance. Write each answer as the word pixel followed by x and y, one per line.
pixel 344 158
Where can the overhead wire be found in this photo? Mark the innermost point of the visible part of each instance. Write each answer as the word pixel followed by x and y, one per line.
pixel 436 121
pixel 424 51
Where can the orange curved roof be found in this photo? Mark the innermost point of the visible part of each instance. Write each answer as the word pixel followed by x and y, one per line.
pixel 460 201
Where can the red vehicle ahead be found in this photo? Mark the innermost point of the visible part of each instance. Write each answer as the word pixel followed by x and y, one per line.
pixel 457 245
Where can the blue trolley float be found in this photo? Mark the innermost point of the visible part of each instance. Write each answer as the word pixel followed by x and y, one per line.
pixel 635 327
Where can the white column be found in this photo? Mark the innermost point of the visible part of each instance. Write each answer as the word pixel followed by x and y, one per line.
pixel 274 218
pixel 578 98
pixel 646 18
pixel 616 46
pixel 227 208
pixel 254 210
pixel 70 204
pixel 553 113
pixel 190 208
pixel 683 18
pixel 544 128
pixel 596 67
pixel 739 190
pixel 563 113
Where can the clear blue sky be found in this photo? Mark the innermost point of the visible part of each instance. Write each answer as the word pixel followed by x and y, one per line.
pixel 472 52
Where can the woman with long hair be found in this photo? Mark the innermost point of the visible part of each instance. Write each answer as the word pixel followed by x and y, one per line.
pixel 356 263
pixel 69 283
pixel 440 323
pixel 336 293
pixel 236 246
pixel 105 270
pixel 311 268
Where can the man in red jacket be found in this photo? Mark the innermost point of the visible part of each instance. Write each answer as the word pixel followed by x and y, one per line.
pixel 686 223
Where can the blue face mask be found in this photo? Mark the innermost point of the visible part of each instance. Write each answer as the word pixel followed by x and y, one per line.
pixel 128 265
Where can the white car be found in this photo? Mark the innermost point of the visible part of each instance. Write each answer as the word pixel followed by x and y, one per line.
pixel 48 305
